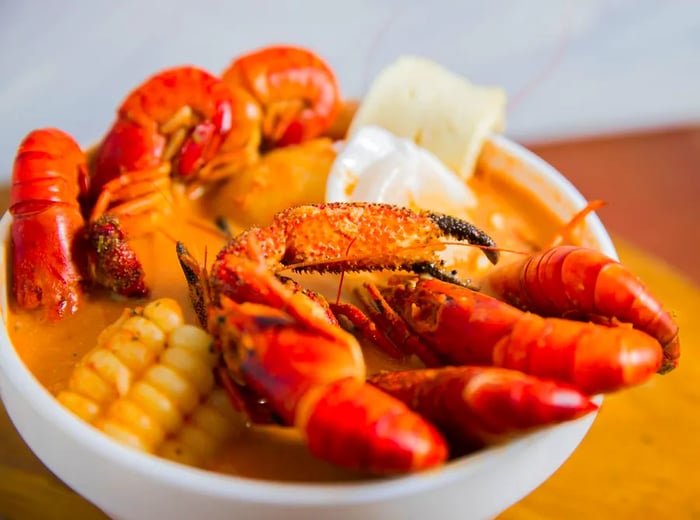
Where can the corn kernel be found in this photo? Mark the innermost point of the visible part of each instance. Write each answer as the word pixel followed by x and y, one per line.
pixel 173 385
pixel 158 405
pixel 146 331
pixel 149 384
pixel 197 441
pixel 141 423
pixel 112 328
pixel 210 420
pixel 165 313
pixel 195 339
pixel 133 353
pixel 85 408
pixel 190 366
pixel 88 383
pixel 122 433
pixel 113 371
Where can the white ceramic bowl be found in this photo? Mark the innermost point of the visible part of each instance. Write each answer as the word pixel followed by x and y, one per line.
pixel 127 484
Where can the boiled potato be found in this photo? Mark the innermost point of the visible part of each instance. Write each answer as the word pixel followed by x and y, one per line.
pixel 282 178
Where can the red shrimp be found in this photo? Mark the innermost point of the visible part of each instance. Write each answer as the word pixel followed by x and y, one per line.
pixel 297 90
pixel 171 125
pixel 581 283
pixel 445 324
pixel 183 104
pixel 476 407
pixel 48 178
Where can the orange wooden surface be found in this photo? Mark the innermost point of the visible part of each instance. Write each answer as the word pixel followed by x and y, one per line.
pixel 640 458
pixel 651 182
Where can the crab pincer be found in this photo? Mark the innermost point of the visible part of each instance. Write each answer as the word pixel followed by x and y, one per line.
pixel 281 344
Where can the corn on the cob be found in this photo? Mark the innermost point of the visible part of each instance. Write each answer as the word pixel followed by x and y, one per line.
pixel 149 384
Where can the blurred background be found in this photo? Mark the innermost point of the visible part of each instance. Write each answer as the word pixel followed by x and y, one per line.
pixel 579 75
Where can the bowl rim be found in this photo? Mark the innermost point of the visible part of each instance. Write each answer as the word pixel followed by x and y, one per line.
pixel 252 490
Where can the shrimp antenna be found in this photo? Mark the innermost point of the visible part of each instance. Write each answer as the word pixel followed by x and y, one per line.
pixel 342 273
pixel 575 221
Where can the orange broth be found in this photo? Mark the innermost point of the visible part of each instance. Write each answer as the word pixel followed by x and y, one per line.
pixel 51 350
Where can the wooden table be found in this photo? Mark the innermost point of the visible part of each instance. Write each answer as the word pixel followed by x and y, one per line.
pixel 640 459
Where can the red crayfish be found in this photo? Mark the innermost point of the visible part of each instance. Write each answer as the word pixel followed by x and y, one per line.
pixel 287 359
pixel 73 216
pixel 50 238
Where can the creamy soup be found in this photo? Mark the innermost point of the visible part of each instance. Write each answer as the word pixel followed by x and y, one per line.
pixel 516 219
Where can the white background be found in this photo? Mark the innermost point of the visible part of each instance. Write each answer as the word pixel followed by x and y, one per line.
pixel 570 67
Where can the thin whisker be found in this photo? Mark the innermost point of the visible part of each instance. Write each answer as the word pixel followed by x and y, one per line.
pixel 342 274
pixel 575 221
